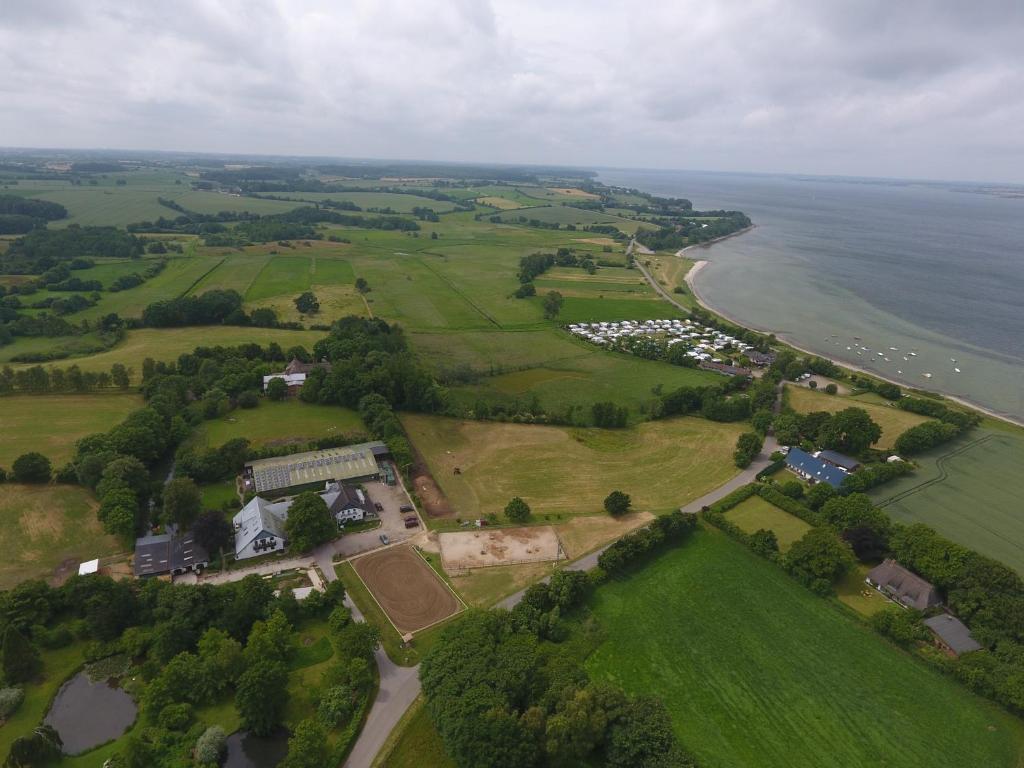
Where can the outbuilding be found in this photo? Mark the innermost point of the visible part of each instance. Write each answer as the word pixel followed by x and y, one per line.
pixel 951 634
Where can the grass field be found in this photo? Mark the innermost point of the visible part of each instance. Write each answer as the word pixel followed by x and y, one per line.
pixel 564 214
pixel 45 526
pixel 50 424
pixel 399 203
pixel 289 421
pixel 891 419
pixel 967 491
pixel 560 471
pixel 757 671
pixel 756 513
pixel 414 743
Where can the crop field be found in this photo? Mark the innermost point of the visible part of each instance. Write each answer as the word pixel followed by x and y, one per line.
pixel 292 275
pixel 289 421
pixel 408 590
pixel 109 205
pixel 560 471
pixel 46 527
pixel 168 343
pixel 564 214
pixel 51 424
pixel 180 274
pixel 399 203
pixel 215 202
pixel 755 513
pixel 966 491
pixel 891 419
pixel 758 671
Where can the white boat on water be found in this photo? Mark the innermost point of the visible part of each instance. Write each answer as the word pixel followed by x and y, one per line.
pixel 926 375
pixel 957 370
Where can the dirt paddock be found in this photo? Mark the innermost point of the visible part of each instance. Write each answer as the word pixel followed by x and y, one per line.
pixel 411 594
pixel 500 546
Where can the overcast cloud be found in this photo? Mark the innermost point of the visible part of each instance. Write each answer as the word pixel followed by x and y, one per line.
pixel 888 88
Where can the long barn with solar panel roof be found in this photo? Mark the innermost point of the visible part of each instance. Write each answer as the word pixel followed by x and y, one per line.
pixel 351 462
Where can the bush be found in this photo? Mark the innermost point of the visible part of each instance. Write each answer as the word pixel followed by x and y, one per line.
pixel 617 503
pixel 175 717
pixel 517 510
pixel 831 388
pixel 10 700
pixel 794 489
pixel 31 468
pixel 748 445
pixel 248 399
pixel 902 626
pixel 210 746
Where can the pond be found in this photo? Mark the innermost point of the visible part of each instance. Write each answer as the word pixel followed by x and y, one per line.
pixel 87 714
pixel 246 750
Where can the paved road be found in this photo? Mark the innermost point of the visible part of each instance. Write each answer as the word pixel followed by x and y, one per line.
pixel 748 475
pixel 659 288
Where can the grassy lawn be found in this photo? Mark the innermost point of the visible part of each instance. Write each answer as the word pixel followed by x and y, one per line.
pixel 560 470
pixel 414 743
pixel 965 491
pixel 46 526
pixel 891 419
pixel 51 424
pixel 216 495
pixel 853 592
pixel 289 421
pixel 483 587
pixel 583 534
pixel 758 671
pixel 756 513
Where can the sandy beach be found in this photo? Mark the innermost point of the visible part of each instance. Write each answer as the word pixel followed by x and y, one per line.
pixel 691 282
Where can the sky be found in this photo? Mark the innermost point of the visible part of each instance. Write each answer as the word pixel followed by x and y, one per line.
pixel 906 88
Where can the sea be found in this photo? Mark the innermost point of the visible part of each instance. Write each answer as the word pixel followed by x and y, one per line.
pixel 869 271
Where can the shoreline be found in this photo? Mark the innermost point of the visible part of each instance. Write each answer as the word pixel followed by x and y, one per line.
pixel 690 280
pixel 714 240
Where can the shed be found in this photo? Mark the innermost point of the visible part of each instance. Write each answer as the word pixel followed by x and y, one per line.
pixel 951 634
pixel 89 567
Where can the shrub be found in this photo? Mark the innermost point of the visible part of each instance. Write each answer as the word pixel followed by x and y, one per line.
pixel 175 717
pixel 900 625
pixel 617 503
pixel 10 700
pixel 517 510
pixel 794 489
pixel 248 399
pixel 210 746
pixel 31 468
pixel 831 388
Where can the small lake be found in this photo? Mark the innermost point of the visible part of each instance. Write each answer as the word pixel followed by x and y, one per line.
pixel 246 750
pixel 87 714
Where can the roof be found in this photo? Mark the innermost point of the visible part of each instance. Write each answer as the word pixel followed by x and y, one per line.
pixel 257 517
pixel 90 566
pixel 315 466
pixel 815 468
pixel 290 379
pixel 728 370
pixel 839 459
pixel 760 358
pixel 953 632
pixel 903 585
pixel 297 366
pixel 338 496
pixel 165 553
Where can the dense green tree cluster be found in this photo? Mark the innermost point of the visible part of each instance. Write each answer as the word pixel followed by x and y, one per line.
pixel 717 402
pixel 42 249
pixel 851 430
pixel 667 529
pixel 748 445
pixel 921 437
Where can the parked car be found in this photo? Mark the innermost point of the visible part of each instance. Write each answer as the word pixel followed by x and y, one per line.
pixel 406 508
pixel 378 506
pixel 411 522
pixel 384 539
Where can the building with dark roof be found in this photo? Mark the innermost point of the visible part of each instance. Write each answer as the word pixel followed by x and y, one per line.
pixel 168 553
pixel 840 460
pixel 951 634
pixel 350 462
pixel 760 358
pixel 814 469
pixel 903 586
pixel 728 370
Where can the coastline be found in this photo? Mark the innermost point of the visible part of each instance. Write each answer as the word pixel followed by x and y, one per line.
pixel 690 279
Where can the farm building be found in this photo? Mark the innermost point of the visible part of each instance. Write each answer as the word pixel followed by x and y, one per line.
pixel 840 460
pixel 760 359
pixel 346 503
pixel 814 469
pixel 903 586
pixel 724 368
pixel 168 553
pixel 294 374
pixel 951 634
pixel 332 464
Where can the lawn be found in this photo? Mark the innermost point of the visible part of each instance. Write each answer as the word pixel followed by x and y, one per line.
pixel 891 419
pixel 967 491
pixel 483 587
pixel 51 424
pixel 47 526
pixel 757 671
pixel 563 471
pixel 756 513
pixel 414 743
pixel 290 421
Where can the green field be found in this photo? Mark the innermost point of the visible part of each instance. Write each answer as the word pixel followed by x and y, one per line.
pixel 50 424
pixel 757 671
pixel 292 275
pixel 966 490
pixel 290 421
pixel 756 513
pixel 46 526
pixel 399 203
pixel 562 471
pixel 414 743
pixel 891 419
pixel 564 214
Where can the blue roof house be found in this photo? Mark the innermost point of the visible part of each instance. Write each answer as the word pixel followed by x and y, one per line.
pixel 814 469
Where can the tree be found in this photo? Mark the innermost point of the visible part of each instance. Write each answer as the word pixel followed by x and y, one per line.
pixel 41 746
pixel 831 388
pixel 261 695
pixel 307 747
pixel 818 494
pixel 902 626
pixel 309 522
pixel 248 399
pixel 517 510
pixel 787 429
pixel 357 640
pixel 794 488
pixel 642 735
pixel 552 304
pixel 31 468
pixel 819 558
pixel 182 502
pixel 764 542
pixel 277 389
pixel 361 285
pixel 851 430
pixel 119 375
pixel 210 746
pixel 748 445
pixel 212 531
pixel 125 472
pixel 307 303
pixel 617 503
pixel 20 657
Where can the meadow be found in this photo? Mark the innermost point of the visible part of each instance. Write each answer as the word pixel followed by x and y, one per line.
pixel 281 423
pixel 51 424
pixel 399 203
pixel 965 490
pixel 755 513
pixel 562 471
pixel 891 419
pixel 756 671
pixel 565 214
pixel 46 526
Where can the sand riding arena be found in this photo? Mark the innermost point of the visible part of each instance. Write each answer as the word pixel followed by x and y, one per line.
pixel 408 590
pixel 498 546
